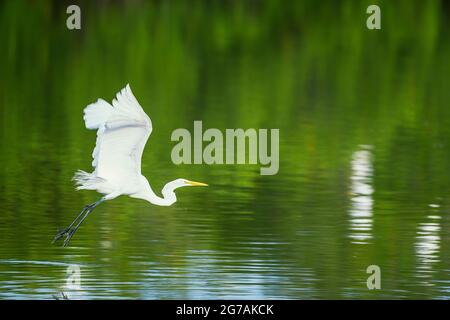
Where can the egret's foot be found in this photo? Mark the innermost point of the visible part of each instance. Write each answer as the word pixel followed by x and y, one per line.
pixel 68 233
pixel 69 236
pixel 60 234
pixel 73 227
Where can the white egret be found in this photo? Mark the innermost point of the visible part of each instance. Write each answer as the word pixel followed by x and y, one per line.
pixel 122 131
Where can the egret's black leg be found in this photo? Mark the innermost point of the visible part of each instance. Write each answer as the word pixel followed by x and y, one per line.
pixel 61 233
pixel 69 231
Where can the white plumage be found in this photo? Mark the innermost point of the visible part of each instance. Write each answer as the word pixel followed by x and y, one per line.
pixel 123 129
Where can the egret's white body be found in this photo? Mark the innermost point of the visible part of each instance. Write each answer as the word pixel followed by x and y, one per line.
pixel 122 131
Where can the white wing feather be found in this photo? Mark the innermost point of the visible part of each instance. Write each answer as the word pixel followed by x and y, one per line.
pixel 123 130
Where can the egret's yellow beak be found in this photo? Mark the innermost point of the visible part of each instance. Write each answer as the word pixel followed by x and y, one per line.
pixel 196 184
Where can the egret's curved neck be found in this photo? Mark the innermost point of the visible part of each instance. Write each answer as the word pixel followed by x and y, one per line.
pixel 167 199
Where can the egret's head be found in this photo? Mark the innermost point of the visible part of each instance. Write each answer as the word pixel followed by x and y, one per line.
pixel 171 186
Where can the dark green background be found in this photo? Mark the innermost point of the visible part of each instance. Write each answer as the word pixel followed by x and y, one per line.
pixel 310 68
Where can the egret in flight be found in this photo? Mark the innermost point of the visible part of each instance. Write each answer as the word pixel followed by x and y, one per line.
pixel 122 131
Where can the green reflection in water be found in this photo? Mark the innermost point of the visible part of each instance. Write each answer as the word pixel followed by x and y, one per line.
pixel 364 149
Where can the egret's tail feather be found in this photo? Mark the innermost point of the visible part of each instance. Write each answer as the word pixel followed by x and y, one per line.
pixel 97 113
pixel 86 181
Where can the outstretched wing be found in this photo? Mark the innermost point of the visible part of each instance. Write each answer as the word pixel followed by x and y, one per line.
pixel 122 131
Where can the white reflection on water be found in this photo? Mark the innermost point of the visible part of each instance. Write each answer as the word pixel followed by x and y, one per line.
pixel 361 196
pixel 208 274
pixel 428 246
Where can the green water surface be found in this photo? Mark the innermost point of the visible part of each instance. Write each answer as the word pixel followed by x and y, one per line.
pixel 364 177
